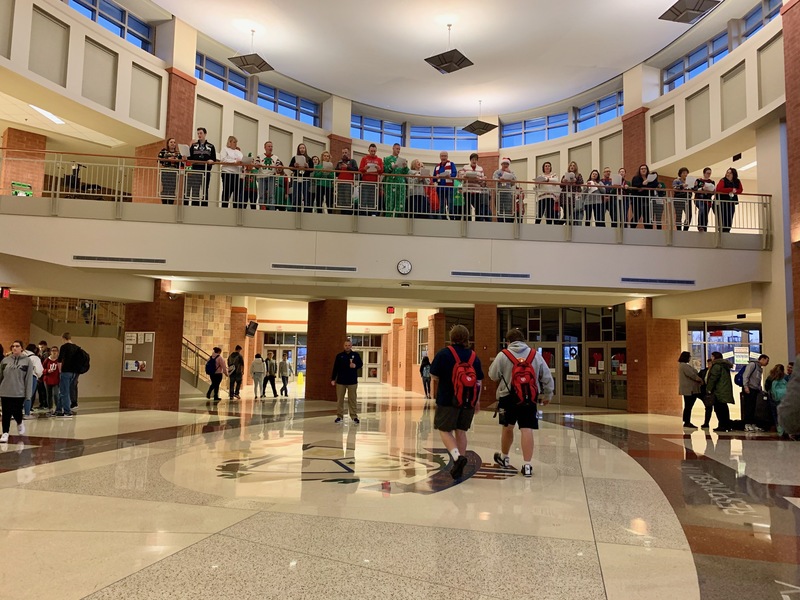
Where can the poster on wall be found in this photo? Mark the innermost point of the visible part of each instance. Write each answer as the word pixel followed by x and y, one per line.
pixel 137 358
pixel 741 355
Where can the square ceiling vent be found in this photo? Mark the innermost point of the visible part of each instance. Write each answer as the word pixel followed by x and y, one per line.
pixel 688 11
pixel 449 62
pixel 479 127
pixel 251 63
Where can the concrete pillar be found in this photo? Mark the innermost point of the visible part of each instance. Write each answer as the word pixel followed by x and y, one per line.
pixel 327 330
pixel 164 316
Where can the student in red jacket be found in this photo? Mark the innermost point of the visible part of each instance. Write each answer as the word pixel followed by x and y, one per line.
pixel 728 190
pixel 371 169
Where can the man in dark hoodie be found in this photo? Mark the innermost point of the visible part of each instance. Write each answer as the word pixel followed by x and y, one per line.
pixel 718 382
pixel 235 372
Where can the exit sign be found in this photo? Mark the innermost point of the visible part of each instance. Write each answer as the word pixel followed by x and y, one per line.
pixel 5 293
pixel 390 310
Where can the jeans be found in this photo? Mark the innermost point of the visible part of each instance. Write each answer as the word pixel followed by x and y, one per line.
pixel 598 210
pixel 216 379
pixel 29 401
pixel 269 379
pixel 235 386
pixel 702 215
pixel 284 388
pixel 446 198
pixel 65 393
pixel 52 396
pixel 426 386
pixel 231 186
pixel 547 210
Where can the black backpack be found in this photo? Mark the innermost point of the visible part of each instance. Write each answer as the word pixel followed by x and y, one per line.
pixel 82 359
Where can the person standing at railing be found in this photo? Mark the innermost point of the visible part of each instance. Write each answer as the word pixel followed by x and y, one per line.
pixel 703 199
pixel 444 173
pixel 593 200
pixel 681 200
pixel 394 188
pixel 609 199
pixel 170 160
pixel 231 159
pixel 323 183
pixel 302 170
pixel 418 190
pixel 728 190
pixel 281 182
pixel 571 183
pixel 644 186
pixel 371 169
pixel 266 181
pixel 548 190
pixel 202 151
pixel 623 201
pixel 346 170
pixel 474 187
pixel 505 191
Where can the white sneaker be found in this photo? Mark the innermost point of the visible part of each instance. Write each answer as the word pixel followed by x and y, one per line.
pixel 21 428
pixel 4 438
pixel 748 427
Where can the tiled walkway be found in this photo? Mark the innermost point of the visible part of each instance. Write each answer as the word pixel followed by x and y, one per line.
pixel 271 499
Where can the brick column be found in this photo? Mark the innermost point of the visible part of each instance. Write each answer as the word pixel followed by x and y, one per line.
pixel 250 348
pixel 490 161
pixel 327 330
pixel 386 345
pixel 238 326
pixel 653 347
pixel 634 141
pixel 146 184
pixel 18 165
pixel 437 337
pixel 15 320
pixel 164 316
pixel 337 143
pixel 486 345
pixel 395 356
pixel 409 368
pixel 791 51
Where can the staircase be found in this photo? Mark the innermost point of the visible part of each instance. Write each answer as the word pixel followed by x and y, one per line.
pixel 193 364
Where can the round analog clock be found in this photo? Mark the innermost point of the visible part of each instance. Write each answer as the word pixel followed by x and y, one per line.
pixel 404 267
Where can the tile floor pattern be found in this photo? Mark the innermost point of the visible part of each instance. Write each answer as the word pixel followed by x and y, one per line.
pixel 271 499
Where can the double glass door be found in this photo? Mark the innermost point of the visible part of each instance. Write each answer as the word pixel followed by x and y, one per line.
pixel 607 375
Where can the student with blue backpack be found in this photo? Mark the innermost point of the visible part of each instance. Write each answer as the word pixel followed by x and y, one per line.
pixel 749 379
pixel 215 369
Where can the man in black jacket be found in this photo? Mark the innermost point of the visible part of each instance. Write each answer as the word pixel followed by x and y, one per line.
pixel 345 378
pixel 235 372
pixel 203 151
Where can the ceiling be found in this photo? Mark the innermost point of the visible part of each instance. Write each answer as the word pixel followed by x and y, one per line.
pixel 526 54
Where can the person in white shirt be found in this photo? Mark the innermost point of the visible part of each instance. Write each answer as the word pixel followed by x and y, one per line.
pixel 473 183
pixel 547 192
pixel 231 159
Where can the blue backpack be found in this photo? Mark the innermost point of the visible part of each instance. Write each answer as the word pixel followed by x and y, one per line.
pixel 738 379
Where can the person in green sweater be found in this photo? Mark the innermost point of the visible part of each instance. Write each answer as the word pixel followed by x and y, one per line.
pixel 281 200
pixel 718 382
pixel 395 188
pixel 323 182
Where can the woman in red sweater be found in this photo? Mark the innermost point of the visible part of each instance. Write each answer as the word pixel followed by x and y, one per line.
pixel 728 189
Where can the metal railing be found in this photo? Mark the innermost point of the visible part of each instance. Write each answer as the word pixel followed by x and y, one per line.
pixel 82 311
pixel 417 197
pixel 194 359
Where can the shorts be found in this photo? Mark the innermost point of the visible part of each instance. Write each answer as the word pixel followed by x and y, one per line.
pixel 511 412
pixel 448 418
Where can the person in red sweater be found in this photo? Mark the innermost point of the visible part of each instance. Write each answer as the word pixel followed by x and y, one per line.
pixel 51 377
pixel 371 169
pixel 728 190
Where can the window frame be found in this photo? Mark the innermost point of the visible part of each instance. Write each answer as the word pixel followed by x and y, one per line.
pixel 94 11
pixel 549 127
pixel 597 110
pixel 379 130
pixel 441 138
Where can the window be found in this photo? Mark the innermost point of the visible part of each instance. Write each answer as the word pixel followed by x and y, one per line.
pixel 376 130
pixel 694 63
pixel 218 75
pixel 117 20
pixel 532 131
pixel 442 138
pixel 599 112
pixel 760 16
pixel 422 344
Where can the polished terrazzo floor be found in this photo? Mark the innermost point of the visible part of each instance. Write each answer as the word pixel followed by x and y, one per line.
pixel 271 499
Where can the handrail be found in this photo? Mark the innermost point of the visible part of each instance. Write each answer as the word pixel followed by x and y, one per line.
pixel 194 358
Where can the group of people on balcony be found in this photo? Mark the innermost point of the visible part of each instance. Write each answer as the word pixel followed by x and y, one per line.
pixel 391 186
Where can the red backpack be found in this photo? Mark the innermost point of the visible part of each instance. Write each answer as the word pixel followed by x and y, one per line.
pixel 464 380
pixel 523 383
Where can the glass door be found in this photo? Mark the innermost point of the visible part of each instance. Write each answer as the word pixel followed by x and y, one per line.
pixel 571 374
pixel 597 375
pixel 607 375
pixel 618 377
pixel 373 365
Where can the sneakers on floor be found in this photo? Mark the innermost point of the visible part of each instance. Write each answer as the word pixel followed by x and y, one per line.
pixel 689 426
pixel 21 428
pixel 338 420
pixel 749 427
pixel 502 462
pixel 458 467
pixel 527 470
pixel 28 417
pixel 4 438
pixel 356 420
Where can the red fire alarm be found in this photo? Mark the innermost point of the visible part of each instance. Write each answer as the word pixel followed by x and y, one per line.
pixel 5 293
pixel 390 310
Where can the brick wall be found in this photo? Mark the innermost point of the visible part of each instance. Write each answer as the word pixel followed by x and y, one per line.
pixel 146 184
pixel 180 106
pixel 791 51
pixel 337 143
pixel 15 320
pixel 327 330
pixel 490 161
pixel 21 166
pixel 238 320
pixel 436 339
pixel 653 348
pixel 165 317
pixel 634 142
pixel 394 344
pixel 410 367
pixel 386 345
pixel 486 344
pixel 207 320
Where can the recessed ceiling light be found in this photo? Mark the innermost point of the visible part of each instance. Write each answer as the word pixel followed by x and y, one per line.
pixel 47 114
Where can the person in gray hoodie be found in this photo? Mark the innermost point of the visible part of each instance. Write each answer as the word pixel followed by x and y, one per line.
pixel 16 386
pixel 512 412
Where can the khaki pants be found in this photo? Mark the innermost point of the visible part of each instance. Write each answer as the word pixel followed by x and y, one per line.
pixel 351 399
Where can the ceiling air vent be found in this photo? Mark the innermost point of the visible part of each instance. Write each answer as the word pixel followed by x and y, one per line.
pixel 120 259
pixel 688 11
pixel 298 267
pixel 490 275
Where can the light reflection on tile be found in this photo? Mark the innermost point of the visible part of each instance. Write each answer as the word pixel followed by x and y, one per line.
pixel 658 573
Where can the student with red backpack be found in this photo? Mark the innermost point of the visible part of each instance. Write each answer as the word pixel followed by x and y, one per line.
pixel 458 370
pixel 525 380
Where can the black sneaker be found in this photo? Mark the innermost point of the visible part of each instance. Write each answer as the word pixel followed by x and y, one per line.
pixel 502 462
pixel 526 470
pixel 338 420
pixel 356 420
pixel 458 467
pixel 705 426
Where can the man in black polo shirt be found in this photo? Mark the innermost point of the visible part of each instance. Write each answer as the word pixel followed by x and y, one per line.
pixel 453 421
pixel 203 151
pixel 345 378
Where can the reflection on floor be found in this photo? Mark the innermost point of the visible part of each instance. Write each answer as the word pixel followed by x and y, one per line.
pixel 271 499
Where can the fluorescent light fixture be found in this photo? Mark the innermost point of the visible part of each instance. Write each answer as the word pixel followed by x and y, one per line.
pixel 749 166
pixel 47 114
